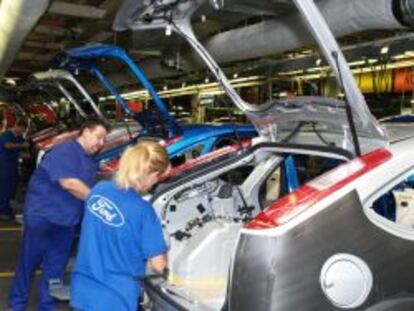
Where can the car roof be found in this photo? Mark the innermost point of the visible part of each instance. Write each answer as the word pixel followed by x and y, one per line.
pixel 399 131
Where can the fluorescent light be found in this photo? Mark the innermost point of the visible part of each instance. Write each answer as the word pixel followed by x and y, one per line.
pixel 290 73
pixel 357 63
pixel 400 56
pixel 213 88
pixel 409 53
pixel 168 30
pixel 385 49
pixel 10 81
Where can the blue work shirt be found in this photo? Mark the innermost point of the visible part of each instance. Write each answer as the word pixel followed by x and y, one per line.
pixel 46 198
pixel 120 231
pixel 9 157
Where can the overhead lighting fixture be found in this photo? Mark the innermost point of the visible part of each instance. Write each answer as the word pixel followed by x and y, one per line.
pixel 318 62
pixel 217 4
pixel 385 50
pixel 235 75
pixel 165 87
pixel 213 88
pixel 10 81
pixel 357 63
pixel 203 18
pixel 291 73
pixel 315 69
pixel 409 53
pixel 400 56
pixel 206 80
pixel 168 30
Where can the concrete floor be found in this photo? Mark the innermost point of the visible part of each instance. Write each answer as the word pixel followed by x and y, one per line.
pixel 10 233
pixel 10 236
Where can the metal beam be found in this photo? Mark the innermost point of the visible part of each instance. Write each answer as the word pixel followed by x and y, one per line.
pixel 101 36
pixel 76 10
pixel 44 45
pixel 57 31
pixel 34 57
pixel 91 28
pixel 17 18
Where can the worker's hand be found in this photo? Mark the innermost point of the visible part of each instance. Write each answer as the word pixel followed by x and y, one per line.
pixel 166 273
pixel 25 145
pixel 25 155
pixel 159 263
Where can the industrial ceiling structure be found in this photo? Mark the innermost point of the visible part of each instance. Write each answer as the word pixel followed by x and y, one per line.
pixel 247 37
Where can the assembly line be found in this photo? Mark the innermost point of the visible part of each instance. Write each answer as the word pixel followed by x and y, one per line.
pixel 118 192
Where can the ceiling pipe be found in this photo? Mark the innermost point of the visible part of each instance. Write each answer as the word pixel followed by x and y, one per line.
pixel 289 33
pixel 17 18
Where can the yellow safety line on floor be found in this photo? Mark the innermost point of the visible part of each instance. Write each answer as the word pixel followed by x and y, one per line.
pixel 15 229
pixel 11 274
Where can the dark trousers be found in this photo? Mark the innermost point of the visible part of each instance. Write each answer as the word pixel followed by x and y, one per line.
pixel 8 185
pixel 44 244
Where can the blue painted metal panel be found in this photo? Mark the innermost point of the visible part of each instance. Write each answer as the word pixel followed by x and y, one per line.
pixel 91 52
pixel 291 174
pixel 191 136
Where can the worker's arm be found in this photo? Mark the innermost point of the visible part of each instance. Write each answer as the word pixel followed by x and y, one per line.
pixel 25 155
pixel 16 145
pixel 158 263
pixel 76 187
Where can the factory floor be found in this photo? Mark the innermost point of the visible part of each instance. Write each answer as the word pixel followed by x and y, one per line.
pixel 10 237
pixel 10 234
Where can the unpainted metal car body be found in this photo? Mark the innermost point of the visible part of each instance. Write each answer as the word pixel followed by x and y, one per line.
pixel 244 236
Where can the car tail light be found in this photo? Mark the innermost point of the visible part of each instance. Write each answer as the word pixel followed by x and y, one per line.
pixel 209 156
pixel 291 205
pixel 170 141
pixel 110 166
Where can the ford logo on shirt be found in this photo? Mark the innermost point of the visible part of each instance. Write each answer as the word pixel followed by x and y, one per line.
pixel 105 210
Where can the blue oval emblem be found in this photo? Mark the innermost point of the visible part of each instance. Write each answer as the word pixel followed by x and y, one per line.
pixel 105 210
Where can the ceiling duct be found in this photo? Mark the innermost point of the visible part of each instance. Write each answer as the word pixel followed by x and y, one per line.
pixel 17 18
pixel 289 33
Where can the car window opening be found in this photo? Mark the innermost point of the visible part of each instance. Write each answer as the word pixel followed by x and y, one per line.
pixel 397 204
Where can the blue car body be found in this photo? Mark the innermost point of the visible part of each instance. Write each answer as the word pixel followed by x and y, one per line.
pixel 204 137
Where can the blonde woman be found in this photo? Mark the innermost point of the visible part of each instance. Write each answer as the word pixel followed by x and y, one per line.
pixel 120 232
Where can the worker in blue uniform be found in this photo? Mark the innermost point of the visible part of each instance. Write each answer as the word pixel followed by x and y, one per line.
pixel 11 145
pixel 120 232
pixel 2 123
pixel 53 208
